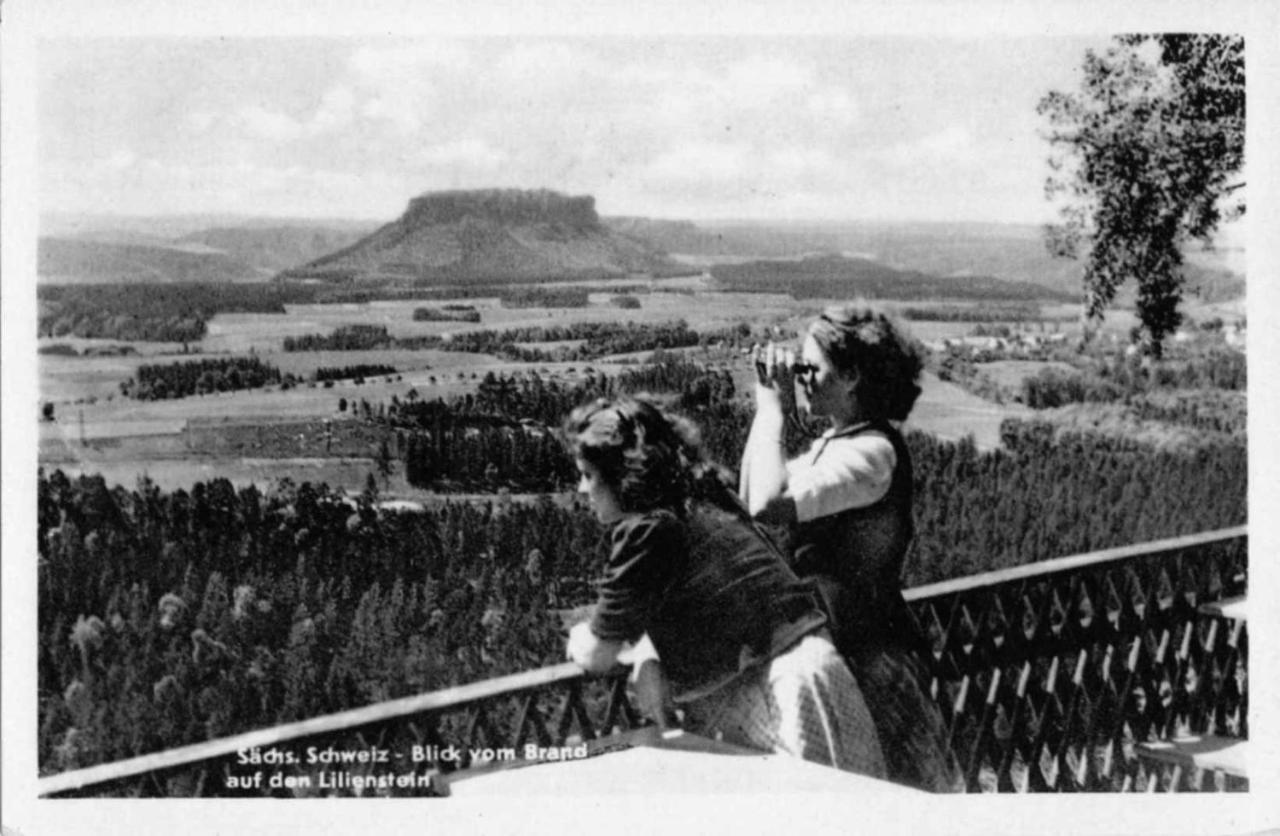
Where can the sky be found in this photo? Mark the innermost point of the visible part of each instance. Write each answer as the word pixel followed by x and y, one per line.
pixel 699 126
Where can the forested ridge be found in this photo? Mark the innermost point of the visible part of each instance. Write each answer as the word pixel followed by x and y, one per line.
pixel 840 277
pixel 168 618
pixel 157 312
pixel 180 312
pixel 1046 492
pixel 171 617
pixel 597 339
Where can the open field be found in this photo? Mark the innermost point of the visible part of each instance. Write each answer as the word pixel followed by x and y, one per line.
pixel 172 474
pixel 171 440
pixel 1010 373
pixel 950 413
pixel 264 333
pixel 444 374
pixel 67 379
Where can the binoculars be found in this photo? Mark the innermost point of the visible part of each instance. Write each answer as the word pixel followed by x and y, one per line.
pixel 799 369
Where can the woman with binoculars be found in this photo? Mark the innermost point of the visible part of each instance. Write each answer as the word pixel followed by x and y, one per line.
pixel 847 506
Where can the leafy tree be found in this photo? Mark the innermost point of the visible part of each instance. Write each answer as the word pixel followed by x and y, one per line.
pixel 1146 153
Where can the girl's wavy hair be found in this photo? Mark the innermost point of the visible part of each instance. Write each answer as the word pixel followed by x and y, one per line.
pixel 649 457
pixel 859 338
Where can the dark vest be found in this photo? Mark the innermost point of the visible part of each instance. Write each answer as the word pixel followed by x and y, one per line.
pixel 855 559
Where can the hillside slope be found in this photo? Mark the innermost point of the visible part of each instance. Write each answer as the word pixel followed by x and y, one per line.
pixel 834 276
pixel 70 261
pixel 494 235
pixel 275 248
pixel 1013 252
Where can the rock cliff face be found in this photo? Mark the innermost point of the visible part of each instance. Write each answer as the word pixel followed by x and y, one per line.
pixel 493 235
pixel 508 206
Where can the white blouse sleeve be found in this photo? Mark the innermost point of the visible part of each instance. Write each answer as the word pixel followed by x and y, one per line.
pixel 847 473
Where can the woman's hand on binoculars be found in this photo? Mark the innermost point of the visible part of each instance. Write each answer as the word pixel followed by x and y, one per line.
pixel 773 365
pixel 775 380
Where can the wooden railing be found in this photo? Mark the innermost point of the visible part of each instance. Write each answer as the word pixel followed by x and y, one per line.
pixel 1047 675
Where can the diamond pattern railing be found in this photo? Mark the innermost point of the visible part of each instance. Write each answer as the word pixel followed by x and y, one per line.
pixel 1047 675
pixel 395 748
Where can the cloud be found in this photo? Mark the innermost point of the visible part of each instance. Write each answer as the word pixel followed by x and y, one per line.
pixel 337 108
pixel 954 144
pixel 762 101
pixel 397 85
pixel 667 126
pixel 548 65
pixel 699 163
pixel 151 187
pixel 202 120
pixel 268 124
pixel 802 162
pixel 947 143
pixel 334 112
pixel 470 153
pixel 832 105
pixel 390 85
pixel 406 64
pixel 759 80
pixel 120 160
pixel 398 110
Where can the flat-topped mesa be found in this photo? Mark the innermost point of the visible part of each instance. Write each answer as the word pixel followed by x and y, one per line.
pixel 506 206
pixel 492 236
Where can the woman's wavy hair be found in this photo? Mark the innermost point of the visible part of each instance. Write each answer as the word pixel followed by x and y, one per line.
pixel 858 338
pixel 649 457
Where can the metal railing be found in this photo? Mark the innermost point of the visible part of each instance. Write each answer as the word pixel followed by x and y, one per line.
pixel 1047 675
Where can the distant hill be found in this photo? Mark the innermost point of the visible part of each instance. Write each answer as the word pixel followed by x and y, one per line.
pixel 1212 285
pixel 276 248
pixel 888 241
pixel 835 276
pixel 499 236
pixel 1012 252
pixel 136 228
pixel 688 237
pixel 71 261
pixel 493 236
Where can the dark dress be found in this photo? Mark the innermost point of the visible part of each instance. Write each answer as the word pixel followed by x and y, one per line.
pixel 855 558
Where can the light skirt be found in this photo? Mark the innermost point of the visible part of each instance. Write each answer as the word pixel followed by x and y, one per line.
pixel 805 702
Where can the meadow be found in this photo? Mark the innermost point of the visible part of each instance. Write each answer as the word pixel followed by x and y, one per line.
pixel 123 438
pixel 97 429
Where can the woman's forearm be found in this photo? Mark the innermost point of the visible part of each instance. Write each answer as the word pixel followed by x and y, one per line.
pixel 764 463
pixel 763 481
